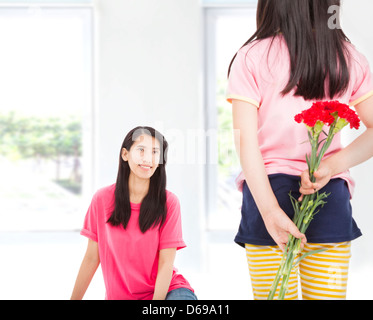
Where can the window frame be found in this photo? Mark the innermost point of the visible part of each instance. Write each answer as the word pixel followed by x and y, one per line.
pixel 211 13
pixel 88 111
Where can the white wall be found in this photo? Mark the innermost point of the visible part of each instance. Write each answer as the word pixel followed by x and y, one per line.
pixel 358 25
pixel 149 73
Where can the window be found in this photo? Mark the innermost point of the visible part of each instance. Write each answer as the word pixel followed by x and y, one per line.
pixel 46 81
pixel 226 29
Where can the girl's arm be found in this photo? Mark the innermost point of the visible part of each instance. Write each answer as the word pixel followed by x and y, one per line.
pixel 87 269
pixel 245 125
pixel 360 150
pixel 165 269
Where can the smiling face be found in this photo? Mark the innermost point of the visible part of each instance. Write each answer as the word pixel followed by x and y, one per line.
pixel 143 157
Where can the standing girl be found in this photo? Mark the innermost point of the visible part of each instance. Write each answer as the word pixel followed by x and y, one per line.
pixel 134 227
pixel 291 61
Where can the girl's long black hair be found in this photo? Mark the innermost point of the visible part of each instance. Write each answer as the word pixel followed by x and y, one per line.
pixel 153 207
pixel 318 53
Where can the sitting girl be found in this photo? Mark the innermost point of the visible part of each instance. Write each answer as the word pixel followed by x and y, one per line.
pixel 134 227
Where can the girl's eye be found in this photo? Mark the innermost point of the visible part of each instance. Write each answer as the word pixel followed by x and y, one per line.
pixel 155 152
pixel 141 149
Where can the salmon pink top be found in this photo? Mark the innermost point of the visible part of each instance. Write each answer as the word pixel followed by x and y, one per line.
pixel 129 258
pixel 258 76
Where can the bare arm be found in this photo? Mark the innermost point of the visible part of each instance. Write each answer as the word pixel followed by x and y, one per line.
pixel 87 270
pixel 165 269
pixel 359 151
pixel 278 224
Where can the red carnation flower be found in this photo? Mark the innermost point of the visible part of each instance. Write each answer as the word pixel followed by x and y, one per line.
pixel 327 112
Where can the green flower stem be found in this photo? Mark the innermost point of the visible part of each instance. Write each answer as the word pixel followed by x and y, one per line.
pixel 277 279
pixel 283 268
pixel 304 213
pixel 325 146
pixel 285 278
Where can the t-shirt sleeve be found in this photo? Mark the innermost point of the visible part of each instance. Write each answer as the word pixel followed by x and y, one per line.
pixel 89 229
pixel 242 84
pixel 171 231
pixel 363 87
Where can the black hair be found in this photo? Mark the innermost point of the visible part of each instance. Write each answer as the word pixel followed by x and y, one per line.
pixel 318 53
pixel 153 208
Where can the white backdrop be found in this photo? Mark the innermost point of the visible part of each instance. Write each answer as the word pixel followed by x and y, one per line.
pixel 357 24
pixel 149 71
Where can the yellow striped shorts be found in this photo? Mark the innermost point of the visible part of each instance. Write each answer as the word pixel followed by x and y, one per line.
pixel 323 276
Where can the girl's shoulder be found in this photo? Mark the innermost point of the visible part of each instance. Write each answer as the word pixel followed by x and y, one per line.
pixel 355 55
pixel 268 47
pixel 104 193
pixel 172 204
pixel 171 197
pixel 262 46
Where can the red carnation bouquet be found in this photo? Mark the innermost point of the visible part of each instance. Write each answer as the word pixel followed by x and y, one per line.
pixel 336 116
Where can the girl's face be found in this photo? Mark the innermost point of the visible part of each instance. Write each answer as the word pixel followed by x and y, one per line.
pixel 143 157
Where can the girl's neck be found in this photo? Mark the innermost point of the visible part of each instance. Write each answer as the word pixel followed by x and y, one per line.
pixel 138 188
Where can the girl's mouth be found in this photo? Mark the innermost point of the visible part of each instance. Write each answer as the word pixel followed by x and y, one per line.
pixel 145 167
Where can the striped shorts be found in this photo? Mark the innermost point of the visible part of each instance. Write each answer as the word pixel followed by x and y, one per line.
pixel 323 276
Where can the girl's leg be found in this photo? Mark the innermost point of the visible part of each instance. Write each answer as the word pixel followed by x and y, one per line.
pixel 324 275
pixel 181 294
pixel 263 264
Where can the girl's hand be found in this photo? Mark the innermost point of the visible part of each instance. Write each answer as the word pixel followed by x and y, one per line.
pixel 279 226
pixel 322 175
pixel 165 269
pixel 87 270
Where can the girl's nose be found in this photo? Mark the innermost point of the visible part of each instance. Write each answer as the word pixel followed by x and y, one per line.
pixel 147 157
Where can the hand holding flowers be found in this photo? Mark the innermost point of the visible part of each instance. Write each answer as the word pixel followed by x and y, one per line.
pixel 322 176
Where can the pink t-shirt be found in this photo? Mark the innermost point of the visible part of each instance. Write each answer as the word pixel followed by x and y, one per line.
pixel 258 77
pixel 129 258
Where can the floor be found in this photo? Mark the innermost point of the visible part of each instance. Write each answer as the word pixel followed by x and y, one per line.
pixel 44 265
